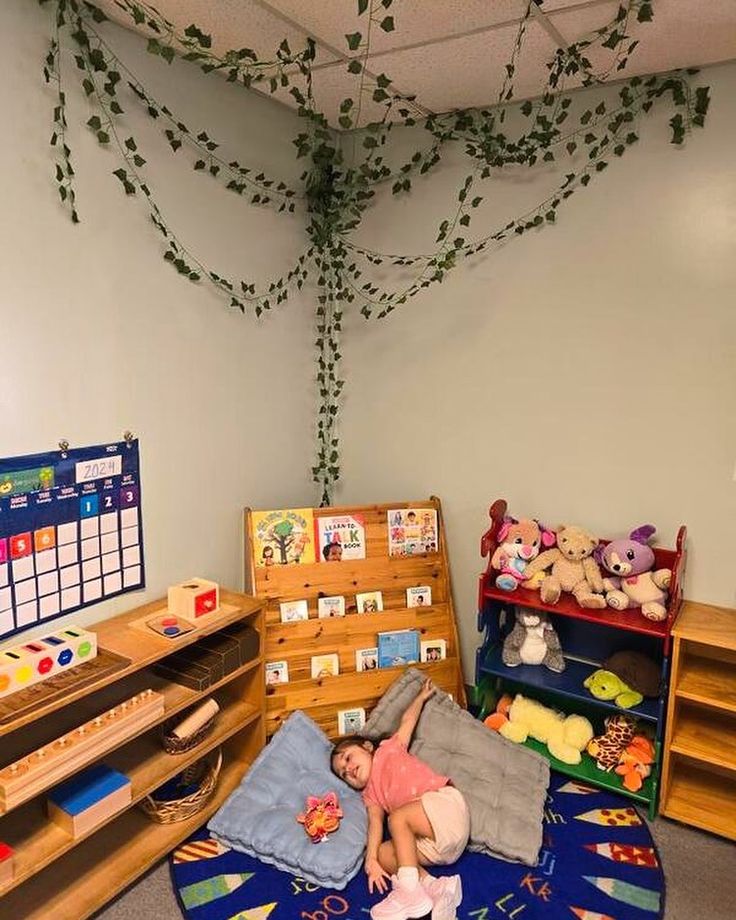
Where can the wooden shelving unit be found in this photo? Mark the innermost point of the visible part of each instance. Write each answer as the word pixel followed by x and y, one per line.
pixel 699 770
pixel 297 642
pixel 587 637
pixel 58 875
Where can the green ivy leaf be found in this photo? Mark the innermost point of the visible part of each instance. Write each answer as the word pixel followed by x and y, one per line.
pixel 362 6
pixel 387 24
pixel 353 40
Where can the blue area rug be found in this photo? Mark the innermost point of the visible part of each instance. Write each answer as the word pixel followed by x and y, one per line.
pixel 598 862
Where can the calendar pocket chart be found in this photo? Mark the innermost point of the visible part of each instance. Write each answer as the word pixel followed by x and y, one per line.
pixel 71 532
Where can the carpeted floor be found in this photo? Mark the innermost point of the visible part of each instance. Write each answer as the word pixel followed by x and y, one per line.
pixel 699 869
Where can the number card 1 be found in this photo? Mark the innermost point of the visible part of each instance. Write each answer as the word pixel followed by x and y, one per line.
pixel 71 532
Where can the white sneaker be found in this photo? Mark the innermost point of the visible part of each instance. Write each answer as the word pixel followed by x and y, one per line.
pixel 403 903
pixel 446 893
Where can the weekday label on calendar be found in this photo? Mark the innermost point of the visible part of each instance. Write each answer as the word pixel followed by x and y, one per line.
pixel 70 532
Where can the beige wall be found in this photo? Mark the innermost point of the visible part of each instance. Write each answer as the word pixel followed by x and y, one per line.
pixel 587 372
pixel 99 334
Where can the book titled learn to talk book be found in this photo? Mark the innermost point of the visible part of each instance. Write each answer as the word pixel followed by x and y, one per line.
pixel 294 610
pixel 369 602
pixel 283 537
pixel 350 721
pixel 331 606
pixel 400 646
pixel 366 659
pixel 419 597
pixel 325 665
pixel 277 672
pixel 433 650
pixel 412 531
pixel 339 537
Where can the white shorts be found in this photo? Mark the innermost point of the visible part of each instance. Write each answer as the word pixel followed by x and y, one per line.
pixel 447 812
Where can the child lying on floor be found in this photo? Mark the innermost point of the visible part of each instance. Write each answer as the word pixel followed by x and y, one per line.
pixel 428 820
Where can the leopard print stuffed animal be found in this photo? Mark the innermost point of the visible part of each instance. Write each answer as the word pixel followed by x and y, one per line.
pixel 606 749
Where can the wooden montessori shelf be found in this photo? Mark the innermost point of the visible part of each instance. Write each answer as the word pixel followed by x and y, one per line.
pixel 707 736
pixel 699 771
pixel 38 841
pixel 707 681
pixel 141 647
pixel 70 878
pixel 79 883
pixel 176 698
pixel 702 798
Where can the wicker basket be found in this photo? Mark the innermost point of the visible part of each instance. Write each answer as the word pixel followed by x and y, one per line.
pixel 205 773
pixel 173 744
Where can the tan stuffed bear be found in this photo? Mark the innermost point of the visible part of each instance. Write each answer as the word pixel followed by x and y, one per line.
pixel 573 569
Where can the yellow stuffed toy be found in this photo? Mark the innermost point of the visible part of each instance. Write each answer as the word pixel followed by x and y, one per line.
pixel 565 736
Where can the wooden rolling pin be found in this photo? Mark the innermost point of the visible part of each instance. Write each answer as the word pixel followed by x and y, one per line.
pixel 195 720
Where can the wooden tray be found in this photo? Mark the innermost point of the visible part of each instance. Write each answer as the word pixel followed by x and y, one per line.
pixel 18 704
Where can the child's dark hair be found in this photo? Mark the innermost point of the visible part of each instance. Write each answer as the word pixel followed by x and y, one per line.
pixel 348 741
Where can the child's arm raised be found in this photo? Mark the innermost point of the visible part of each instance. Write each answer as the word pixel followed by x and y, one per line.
pixel 411 716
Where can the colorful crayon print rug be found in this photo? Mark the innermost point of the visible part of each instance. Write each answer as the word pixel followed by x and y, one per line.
pixel 597 862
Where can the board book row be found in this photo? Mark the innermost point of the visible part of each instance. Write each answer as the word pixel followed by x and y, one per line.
pixel 365 602
pixel 395 648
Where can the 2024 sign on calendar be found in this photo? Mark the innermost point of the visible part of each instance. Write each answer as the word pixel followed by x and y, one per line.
pixel 71 532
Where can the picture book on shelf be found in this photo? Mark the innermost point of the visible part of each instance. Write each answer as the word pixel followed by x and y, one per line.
pixel 399 646
pixel 412 531
pixel 331 606
pixel 369 602
pixel 350 721
pixel 277 672
pixel 366 659
pixel 283 537
pixel 294 610
pixel 325 665
pixel 419 597
pixel 339 537
pixel 433 650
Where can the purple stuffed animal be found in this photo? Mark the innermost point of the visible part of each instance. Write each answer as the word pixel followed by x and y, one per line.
pixel 632 583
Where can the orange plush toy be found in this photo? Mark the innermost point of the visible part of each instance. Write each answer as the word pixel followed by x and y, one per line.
pixel 635 762
pixel 321 816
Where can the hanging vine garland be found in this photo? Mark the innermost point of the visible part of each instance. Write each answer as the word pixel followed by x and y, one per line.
pixel 340 185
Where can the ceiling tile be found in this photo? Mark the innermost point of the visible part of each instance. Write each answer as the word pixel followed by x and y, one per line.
pixel 231 23
pixel 465 72
pixel 415 22
pixel 677 37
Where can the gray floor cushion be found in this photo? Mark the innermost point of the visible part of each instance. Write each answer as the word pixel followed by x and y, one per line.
pixel 259 818
pixel 504 784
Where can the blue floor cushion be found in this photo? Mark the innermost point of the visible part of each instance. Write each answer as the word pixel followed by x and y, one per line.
pixel 260 816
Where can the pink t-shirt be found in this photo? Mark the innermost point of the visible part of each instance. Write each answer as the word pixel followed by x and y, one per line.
pixel 398 777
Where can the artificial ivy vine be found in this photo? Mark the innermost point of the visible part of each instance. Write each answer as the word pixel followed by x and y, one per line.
pixel 342 179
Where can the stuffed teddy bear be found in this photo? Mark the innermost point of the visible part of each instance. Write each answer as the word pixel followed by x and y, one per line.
pixel 605 685
pixel 573 569
pixel 533 640
pixel 518 543
pixel 635 762
pixel 565 736
pixel 607 748
pixel 631 582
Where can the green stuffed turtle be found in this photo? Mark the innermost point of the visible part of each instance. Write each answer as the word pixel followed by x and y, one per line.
pixel 604 685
